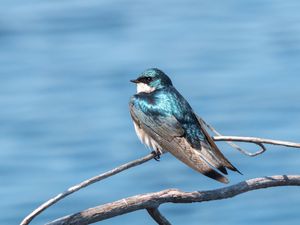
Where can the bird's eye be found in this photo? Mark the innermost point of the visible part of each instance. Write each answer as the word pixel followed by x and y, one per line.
pixel 146 80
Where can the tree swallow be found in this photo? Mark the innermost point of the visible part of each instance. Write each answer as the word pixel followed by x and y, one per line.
pixel 164 121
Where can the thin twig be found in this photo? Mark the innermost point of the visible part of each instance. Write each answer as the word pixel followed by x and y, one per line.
pixel 256 140
pixel 153 200
pixel 83 184
pixel 157 216
pixel 262 147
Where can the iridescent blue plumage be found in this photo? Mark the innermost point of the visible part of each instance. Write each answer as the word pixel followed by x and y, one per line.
pixel 164 120
pixel 166 102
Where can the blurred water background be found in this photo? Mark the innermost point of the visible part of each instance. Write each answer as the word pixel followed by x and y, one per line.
pixel 64 89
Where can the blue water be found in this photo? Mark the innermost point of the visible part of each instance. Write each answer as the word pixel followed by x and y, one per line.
pixel 64 90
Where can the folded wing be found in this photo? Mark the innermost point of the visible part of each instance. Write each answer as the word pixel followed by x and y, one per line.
pixel 170 135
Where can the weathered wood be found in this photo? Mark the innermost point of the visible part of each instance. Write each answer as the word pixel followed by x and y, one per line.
pixel 258 141
pixel 153 200
pixel 229 139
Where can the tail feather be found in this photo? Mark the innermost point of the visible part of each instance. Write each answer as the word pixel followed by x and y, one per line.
pixel 216 176
pixel 206 154
pixel 215 150
pixel 222 169
pixel 182 150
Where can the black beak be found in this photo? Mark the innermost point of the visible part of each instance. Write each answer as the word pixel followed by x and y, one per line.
pixel 134 81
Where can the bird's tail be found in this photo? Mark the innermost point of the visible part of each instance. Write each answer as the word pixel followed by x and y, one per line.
pixel 216 153
pixel 194 159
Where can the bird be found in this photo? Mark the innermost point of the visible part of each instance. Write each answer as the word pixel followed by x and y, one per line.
pixel 165 122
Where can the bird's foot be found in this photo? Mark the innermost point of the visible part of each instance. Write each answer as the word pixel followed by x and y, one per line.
pixel 156 155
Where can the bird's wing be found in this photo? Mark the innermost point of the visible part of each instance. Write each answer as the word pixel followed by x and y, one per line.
pixel 165 127
pixel 213 148
pixel 169 134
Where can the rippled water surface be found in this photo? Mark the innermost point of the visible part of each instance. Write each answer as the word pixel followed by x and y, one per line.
pixel 64 90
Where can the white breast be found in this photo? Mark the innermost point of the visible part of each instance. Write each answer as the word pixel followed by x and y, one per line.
pixel 147 140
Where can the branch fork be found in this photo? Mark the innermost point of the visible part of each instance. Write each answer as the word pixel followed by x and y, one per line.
pixel 152 201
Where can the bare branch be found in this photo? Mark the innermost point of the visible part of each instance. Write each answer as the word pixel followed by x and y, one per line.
pixel 153 200
pixel 158 217
pixel 245 152
pixel 254 140
pixel 83 184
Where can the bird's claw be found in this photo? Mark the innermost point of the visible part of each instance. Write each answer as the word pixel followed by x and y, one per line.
pixel 156 155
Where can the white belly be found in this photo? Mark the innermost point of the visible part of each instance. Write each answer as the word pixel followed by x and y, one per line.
pixel 147 140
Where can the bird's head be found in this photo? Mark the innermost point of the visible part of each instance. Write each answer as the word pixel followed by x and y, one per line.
pixel 151 80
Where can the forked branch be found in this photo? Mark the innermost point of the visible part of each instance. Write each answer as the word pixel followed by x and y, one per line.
pixel 153 210
pixel 153 200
